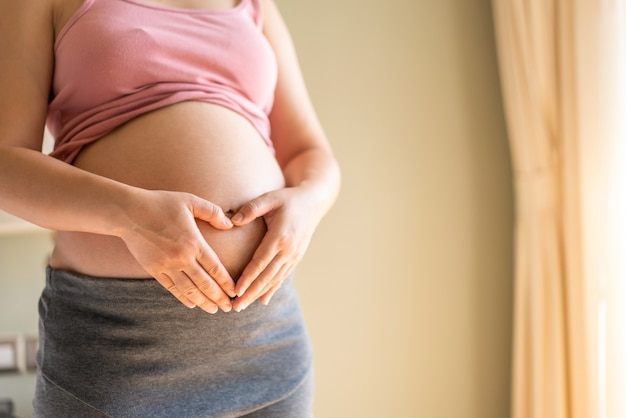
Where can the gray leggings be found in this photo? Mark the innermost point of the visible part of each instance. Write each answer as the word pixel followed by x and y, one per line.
pixel 298 404
pixel 126 348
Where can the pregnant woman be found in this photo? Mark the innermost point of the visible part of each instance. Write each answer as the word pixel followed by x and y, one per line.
pixel 188 175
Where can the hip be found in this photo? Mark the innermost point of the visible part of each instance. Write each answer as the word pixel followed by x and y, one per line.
pixel 136 351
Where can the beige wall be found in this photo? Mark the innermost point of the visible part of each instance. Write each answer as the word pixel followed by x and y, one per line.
pixel 408 284
pixel 22 264
pixel 407 287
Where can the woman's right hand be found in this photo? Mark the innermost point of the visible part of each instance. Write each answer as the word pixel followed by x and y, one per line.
pixel 162 234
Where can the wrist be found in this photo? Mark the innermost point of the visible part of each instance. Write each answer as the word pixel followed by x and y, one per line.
pixel 129 203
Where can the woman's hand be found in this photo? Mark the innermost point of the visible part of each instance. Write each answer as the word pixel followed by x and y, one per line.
pixel 291 219
pixel 164 238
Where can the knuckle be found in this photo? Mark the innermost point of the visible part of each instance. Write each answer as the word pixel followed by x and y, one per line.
pixel 167 283
pixel 206 287
pixel 251 206
pixel 190 292
pixel 213 210
pixel 214 270
pixel 258 263
pixel 266 281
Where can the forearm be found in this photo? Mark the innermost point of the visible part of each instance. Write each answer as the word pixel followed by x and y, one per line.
pixel 317 171
pixel 58 196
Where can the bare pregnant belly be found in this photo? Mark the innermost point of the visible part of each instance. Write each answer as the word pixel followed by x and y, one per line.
pixel 194 147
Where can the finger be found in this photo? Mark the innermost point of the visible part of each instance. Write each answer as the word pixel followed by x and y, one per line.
pixel 177 287
pixel 191 291
pixel 265 299
pixel 165 281
pixel 265 280
pixel 269 291
pixel 266 252
pixel 254 209
pixel 209 288
pixel 210 213
pixel 262 258
pixel 211 264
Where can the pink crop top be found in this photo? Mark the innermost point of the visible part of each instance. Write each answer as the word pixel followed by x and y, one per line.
pixel 118 59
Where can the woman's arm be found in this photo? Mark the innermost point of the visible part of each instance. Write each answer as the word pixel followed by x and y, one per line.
pixel 158 227
pixel 310 169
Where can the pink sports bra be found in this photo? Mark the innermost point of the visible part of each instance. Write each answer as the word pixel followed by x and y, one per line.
pixel 118 59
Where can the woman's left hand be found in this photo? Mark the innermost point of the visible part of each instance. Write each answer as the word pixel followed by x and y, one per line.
pixel 291 218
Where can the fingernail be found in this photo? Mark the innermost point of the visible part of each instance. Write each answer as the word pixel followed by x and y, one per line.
pixel 238 217
pixel 227 308
pixel 243 307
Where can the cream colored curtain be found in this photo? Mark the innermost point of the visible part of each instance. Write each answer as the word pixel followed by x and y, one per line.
pixel 562 71
pixel 602 82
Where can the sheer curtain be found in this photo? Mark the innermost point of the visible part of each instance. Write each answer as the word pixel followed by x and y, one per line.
pixel 563 64
pixel 607 136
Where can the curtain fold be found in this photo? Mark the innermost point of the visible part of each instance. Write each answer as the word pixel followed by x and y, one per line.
pixel 563 74
pixel 553 362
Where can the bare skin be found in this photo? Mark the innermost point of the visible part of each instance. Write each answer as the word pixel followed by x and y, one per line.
pixel 219 157
pixel 149 199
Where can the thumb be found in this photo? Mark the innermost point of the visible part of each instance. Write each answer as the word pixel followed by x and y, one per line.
pixel 254 209
pixel 209 212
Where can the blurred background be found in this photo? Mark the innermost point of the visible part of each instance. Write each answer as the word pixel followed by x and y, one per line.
pixel 407 286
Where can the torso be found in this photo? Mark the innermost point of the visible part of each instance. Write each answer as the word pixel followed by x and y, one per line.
pixel 194 147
